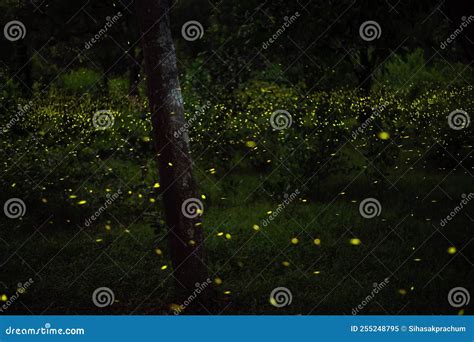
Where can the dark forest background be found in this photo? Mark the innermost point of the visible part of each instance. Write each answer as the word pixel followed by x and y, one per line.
pixel 367 119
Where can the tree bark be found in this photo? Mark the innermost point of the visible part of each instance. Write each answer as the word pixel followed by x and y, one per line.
pixel 174 162
pixel 134 73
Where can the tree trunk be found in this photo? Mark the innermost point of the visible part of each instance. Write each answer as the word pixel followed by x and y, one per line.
pixel 174 162
pixel 134 73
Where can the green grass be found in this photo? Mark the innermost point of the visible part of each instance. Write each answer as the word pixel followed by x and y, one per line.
pixel 68 264
pixel 63 169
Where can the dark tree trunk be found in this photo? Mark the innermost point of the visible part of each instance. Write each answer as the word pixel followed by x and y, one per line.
pixel 135 62
pixel 365 81
pixel 167 115
pixel 366 70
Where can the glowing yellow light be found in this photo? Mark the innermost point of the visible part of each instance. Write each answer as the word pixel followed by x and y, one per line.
pixel 384 135
pixel 82 202
pixel 452 250
pixel 295 241
pixel 164 267
pixel 317 242
pixel 285 263
pixel 355 242
pixel 218 281
pixel 156 185
pixel 250 144
pixel 256 227
pixel 175 307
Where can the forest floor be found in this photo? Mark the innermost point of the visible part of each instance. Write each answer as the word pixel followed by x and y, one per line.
pixel 321 249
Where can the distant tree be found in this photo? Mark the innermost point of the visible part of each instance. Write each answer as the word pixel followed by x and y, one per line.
pixel 172 149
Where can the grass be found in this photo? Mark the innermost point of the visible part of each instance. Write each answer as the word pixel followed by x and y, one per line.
pixel 63 169
pixel 405 243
